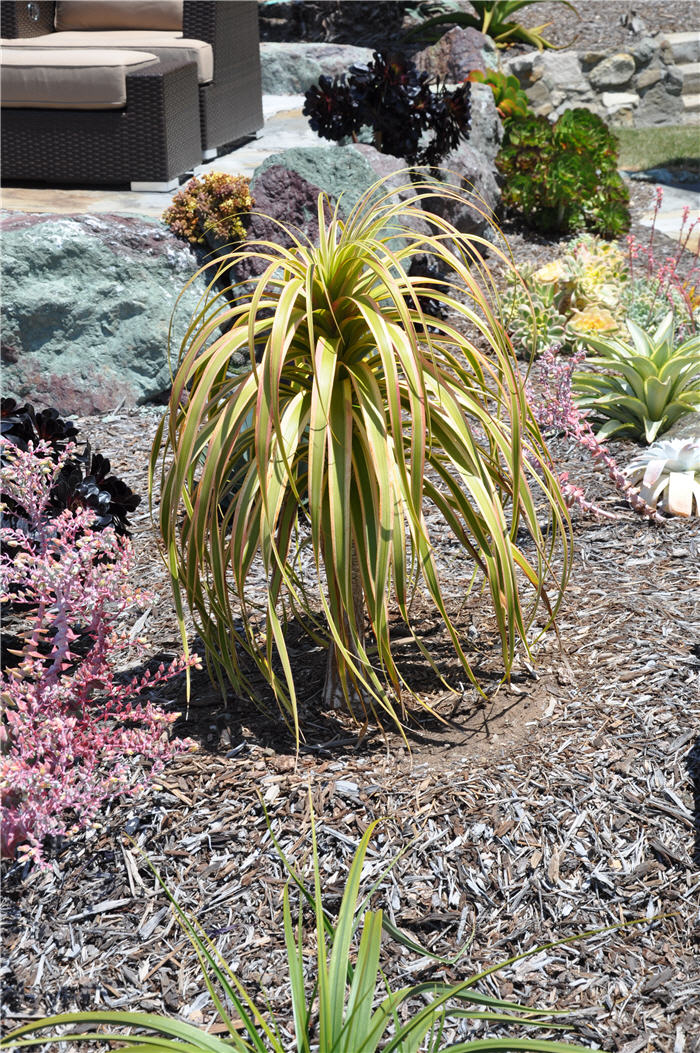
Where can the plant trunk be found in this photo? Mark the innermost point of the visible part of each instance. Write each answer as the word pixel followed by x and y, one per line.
pixel 333 694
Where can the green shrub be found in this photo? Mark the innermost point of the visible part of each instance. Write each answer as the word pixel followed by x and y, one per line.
pixel 647 385
pixel 361 410
pixel 563 177
pixel 210 208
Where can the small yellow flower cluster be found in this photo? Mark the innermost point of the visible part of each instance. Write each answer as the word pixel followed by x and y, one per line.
pixel 210 206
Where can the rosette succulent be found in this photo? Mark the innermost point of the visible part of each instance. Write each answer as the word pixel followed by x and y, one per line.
pixel 669 474
pixel 563 176
pixel 398 103
pixel 646 385
pixel 22 425
pixel 84 480
pixel 532 318
pixel 646 301
pixel 593 320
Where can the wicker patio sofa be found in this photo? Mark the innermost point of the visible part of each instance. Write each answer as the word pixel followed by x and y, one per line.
pixel 207 71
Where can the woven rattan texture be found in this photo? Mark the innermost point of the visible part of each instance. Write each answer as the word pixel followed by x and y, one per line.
pixel 231 106
pixel 155 138
pixel 17 18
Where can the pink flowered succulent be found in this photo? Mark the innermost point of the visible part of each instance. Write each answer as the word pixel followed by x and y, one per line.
pixel 555 407
pixel 665 275
pixel 70 732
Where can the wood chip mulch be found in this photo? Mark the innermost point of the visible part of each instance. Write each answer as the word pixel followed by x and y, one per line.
pixel 567 803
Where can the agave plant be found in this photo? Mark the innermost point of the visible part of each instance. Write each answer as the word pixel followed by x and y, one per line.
pixel 350 1008
pixel 493 18
pixel 669 473
pixel 647 385
pixel 357 414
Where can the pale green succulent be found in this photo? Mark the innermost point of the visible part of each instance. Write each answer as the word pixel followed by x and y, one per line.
pixel 601 271
pixel 646 304
pixel 647 385
pixel 669 473
pixel 533 322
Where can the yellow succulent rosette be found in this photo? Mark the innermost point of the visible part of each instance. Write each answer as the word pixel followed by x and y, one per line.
pixel 593 321
pixel 552 273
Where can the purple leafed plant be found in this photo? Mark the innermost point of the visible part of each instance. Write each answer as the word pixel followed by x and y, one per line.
pixel 398 103
pixel 554 407
pixel 84 479
pixel 70 731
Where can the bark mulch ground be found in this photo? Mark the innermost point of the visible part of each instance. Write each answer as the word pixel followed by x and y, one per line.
pixel 567 802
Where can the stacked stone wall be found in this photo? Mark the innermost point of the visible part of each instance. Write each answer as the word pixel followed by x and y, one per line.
pixel 657 81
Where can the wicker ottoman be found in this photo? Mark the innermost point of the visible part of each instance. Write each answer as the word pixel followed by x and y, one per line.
pixel 148 142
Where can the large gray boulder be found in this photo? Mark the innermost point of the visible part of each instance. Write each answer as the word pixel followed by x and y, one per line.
pixel 471 173
pixel 286 188
pixel 456 54
pixel 341 172
pixel 86 308
pixel 345 173
pixel 291 69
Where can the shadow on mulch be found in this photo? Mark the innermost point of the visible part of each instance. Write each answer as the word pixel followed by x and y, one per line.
pixel 460 718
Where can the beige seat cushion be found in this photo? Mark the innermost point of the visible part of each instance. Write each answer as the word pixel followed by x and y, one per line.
pixel 65 79
pixel 158 43
pixel 118 14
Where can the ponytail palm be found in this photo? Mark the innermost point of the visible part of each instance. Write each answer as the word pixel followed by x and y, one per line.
pixel 357 414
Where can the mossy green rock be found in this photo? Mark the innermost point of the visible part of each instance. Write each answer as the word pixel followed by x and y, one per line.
pixel 86 309
pixel 345 174
pixel 339 171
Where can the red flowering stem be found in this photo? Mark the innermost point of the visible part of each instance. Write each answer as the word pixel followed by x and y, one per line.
pixel 556 408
